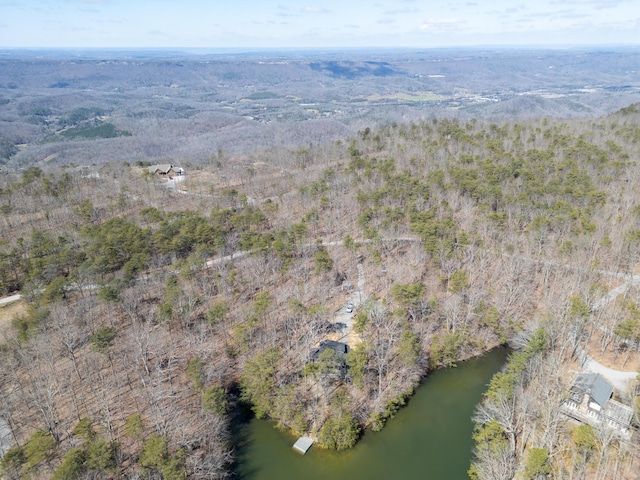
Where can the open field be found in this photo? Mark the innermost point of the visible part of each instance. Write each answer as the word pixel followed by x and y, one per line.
pixel 407 97
pixel 7 312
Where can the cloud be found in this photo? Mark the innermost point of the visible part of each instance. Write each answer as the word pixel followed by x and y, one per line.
pixel 570 14
pixel 507 12
pixel 440 24
pixel 312 9
pixel 386 21
pixel 516 9
pixel 597 4
pixel 538 15
pixel 79 29
pixel 567 13
pixel 89 2
pixel 156 32
pixel 586 2
pixel 402 10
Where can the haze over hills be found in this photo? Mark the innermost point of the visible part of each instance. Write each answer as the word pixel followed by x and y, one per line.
pixel 93 106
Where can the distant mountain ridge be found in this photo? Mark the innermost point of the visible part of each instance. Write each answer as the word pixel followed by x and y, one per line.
pixel 185 106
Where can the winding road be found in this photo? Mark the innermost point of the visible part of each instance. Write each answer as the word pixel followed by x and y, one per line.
pixel 619 379
pixel 10 299
pixel 346 317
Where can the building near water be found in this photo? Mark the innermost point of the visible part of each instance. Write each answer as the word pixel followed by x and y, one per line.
pixel 341 349
pixel 590 401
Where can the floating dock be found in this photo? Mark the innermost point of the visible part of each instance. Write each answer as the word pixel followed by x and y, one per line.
pixel 303 444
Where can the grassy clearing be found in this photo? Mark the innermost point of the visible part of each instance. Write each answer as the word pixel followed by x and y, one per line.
pixel 406 97
pixel 7 312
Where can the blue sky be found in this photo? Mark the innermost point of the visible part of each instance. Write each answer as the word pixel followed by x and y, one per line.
pixel 329 23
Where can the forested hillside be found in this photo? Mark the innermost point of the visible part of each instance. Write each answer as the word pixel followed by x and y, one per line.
pixel 153 308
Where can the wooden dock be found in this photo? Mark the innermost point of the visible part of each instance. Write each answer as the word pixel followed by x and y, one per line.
pixel 303 444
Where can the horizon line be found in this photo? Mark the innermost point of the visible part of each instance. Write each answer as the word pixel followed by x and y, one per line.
pixel 331 47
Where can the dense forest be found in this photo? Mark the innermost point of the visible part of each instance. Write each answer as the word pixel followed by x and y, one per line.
pixel 153 309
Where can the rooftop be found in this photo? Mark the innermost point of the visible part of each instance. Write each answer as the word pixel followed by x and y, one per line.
pixel 340 348
pixel 598 388
pixel 162 168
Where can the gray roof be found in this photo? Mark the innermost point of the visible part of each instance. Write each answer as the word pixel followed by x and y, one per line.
pixel 597 387
pixel 162 168
pixel 340 348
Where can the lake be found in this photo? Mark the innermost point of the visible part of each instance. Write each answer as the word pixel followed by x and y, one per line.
pixel 429 439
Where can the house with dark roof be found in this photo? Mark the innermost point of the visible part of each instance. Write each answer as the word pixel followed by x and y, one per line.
pixel 590 401
pixel 329 359
pixel 341 349
pixel 166 170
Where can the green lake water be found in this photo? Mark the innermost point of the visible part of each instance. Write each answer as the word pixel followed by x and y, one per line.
pixel 428 439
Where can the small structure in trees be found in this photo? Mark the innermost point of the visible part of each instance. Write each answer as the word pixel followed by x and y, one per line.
pixel 341 349
pixel 590 401
pixel 328 360
pixel 166 170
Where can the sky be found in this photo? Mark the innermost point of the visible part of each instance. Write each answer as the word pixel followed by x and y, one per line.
pixel 315 24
